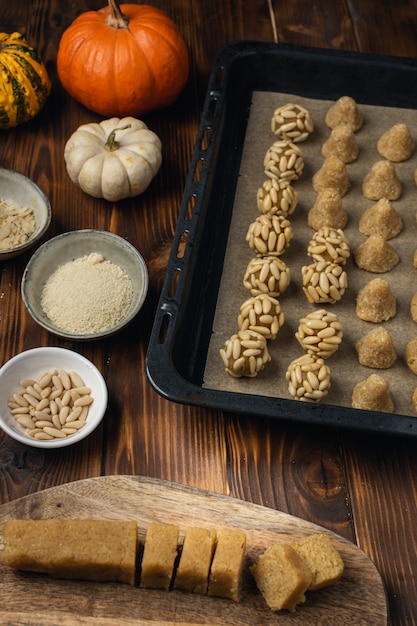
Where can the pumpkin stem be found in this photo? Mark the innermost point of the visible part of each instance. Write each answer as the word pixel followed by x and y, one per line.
pixel 116 19
pixel 111 144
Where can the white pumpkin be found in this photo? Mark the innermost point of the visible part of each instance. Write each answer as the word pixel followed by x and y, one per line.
pixel 115 159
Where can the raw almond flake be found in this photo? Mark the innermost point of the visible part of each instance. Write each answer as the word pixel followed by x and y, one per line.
pixel 17 225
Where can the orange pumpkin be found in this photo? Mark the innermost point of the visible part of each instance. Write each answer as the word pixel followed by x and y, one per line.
pixel 122 61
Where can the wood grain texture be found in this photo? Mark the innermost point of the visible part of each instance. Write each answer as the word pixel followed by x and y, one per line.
pixel 357 598
pixel 381 475
pixel 386 29
pixel 320 25
pixel 362 487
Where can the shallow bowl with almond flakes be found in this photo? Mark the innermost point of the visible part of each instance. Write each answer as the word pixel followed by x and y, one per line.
pixel 25 213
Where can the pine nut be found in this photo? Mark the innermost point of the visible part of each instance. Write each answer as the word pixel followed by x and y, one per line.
pixel 63 414
pixel 42 404
pixel 41 434
pixel 25 421
pixel 69 431
pixel 75 414
pixel 76 379
pixel 32 392
pixel 66 398
pixel 77 424
pixel 26 382
pixel 58 402
pixel 65 379
pixel 32 432
pixel 74 395
pixel 82 391
pixel 54 432
pixel 57 422
pixel 41 415
pixel 19 410
pixel 42 424
pixel 30 400
pixel 46 379
pixel 20 400
pixel 83 415
pixel 57 383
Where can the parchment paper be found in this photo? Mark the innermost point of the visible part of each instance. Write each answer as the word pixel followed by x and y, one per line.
pixel 344 365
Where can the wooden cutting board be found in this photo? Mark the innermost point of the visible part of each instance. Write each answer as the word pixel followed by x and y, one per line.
pixel 29 599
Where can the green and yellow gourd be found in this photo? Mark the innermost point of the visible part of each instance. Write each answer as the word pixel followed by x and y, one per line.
pixel 24 81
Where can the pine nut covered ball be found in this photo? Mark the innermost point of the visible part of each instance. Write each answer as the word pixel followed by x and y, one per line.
pixel 292 122
pixel 277 197
pixel 324 282
pixel 329 244
pixel 261 314
pixel 308 378
pixel 267 275
pixel 284 161
pixel 320 333
pixel 245 354
pixel 269 235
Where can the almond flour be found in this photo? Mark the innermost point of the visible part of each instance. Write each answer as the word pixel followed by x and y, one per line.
pixel 87 295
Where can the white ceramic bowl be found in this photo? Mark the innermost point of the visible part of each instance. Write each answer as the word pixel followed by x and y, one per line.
pixel 17 188
pixel 72 245
pixel 29 365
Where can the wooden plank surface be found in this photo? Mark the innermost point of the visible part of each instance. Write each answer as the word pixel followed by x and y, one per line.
pixel 364 488
pixel 357 598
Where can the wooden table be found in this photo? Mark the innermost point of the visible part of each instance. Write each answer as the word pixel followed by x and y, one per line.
pixel 362 486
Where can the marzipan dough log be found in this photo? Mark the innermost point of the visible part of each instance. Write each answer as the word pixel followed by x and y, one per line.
pixel 96 550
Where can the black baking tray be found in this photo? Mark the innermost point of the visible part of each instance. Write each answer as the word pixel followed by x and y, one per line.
pixel 182 327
